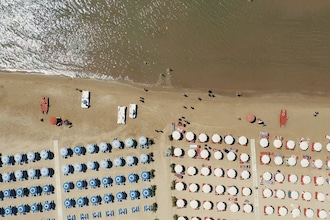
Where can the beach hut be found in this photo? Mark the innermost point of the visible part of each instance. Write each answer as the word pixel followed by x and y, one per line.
pixel 194 204
pixel 248 208
pixel 176 135
pixel 119 162
pixel 290 145
pixel 192 171
pixel 231 173
pixel 132 178
pixel 107 198
pixel 295 212
pixel 242 140
pixel 131 161
pixel 69 203
pixel 81 184
pixel 221 206
pixel 106 181
pixel 293 178
pixel 79 150
pixel 264 142
pixel 309 213
pixel 277 143
pixel 190 136
pixel 208 205
pixel 216 138
pixel 267 176
pixel 45 154
pixel 220 189
pixel 93 165
pixel 231 156
pixel 96 200
pixel 144 158
pixel 191 153
pixel 229 139
pixel 67 186
pixel 178 152
pixel 205 154
pixel 94 182
pixel 322 214
pixel 146 192
pixel 294 195
pixel 119 180
pixel 143 142
pixel 145 175
pixel 218 155
pixel 304 163
pixel 31 156
pixel 244 157
pixel 219 172
pixel 202 137
pixel 269 210
pixel 121 196
pixel 181 203
pixel 317 146
pixel 303 145
pixel 193 187
pixel 233 190
pixel 92 148
pixel 245 174
pixel 36 207
pixel 234 207
pixel 46 172
pixel 246 191
pixel 179 186
pixel 82 201
pixel 206 171
pixel 104 147
pixel 278 160
pixel 206 188
pixel 134 194
pixel 48 189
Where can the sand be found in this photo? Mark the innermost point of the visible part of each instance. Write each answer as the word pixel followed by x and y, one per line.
pixel 22 131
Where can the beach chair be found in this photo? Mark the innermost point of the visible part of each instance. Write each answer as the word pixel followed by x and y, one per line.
pixel 283 118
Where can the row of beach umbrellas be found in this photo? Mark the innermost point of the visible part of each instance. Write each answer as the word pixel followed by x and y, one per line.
pixel 293 178
pixel 32 191
pixel 292 161
pixel 293 194
pixel 291 145
pixel 296 212
pixel 26 208
pixel 25 174
pixel 21 158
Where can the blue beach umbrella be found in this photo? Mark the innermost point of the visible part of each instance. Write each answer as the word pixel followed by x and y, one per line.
pixel 82 201
pixel 47 206
pixel 134 194
pixel 108 198
pixel 106 181
pixel 8 210
pixel 7 193
pixel 47 189
pixel 67 186
pixel 69 203
pixel 35 207
pixel 20 192
pixel 95 200
pixel 79 150
pixel 94 182
pixel 119 180
pixel 81 184
pixel 116 144
pixel 120 196
pixel 146 192
pixel 104 147
pixel 145 175
pixel 22 209
pixel 132 178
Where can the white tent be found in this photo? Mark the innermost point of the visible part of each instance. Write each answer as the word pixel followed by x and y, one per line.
pixel 218 172
pixel 303 145
pixel 267 193
pixel 244 157
pixel 192 171
pixel 242 140
pixel 202 137
pixel 176 135
pixel 218 155
pixel 132 110
pixel 278 160
pixel 221 206
pixel 231 156
pixel 246 191
pixel 229 139
pixel 121 115
pixel 220 189
pixel 231 173
pixel 263 142
pixel 191 153
pixel 85 99
pixel 190 136
pixel 216 138
pixel 205 171
pixel 290 144
pixel 277 143
pixel 178 152
pixel 293 178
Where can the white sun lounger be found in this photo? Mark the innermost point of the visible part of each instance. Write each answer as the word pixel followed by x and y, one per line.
pixel 85 95
pixel 121 115
pixel 132 110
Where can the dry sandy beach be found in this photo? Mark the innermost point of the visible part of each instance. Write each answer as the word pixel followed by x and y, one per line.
pixel 22 131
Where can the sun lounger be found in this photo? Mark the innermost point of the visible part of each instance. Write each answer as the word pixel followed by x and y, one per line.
pixel 85 96
pixel 132 111
pixel 283 118
pixel 121 115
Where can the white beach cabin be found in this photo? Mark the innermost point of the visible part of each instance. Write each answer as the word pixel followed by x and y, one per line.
pixel 132 110
pixel 85 96
pixel 121 115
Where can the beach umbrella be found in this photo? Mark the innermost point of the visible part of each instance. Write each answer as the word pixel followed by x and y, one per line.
pixel 317 146
pixel 251 117
pixel 229 139
pixel 44 154
pixel 104 147
pixel 231 156
pixel 31 156
pixel 5 159
pixel 179 186
pixel 145 175
pixel 319 181
pixel 146 192
pixel 6 193
pixel 19 174
pixel 267 176
pixel 79 167
pixel 178 168
pixel 180 203
pixel 82 201
pixel 244 157
pixel 194 204
pixel 9 210
pixel 106 181
pixel 293 178
pixel 294 195
pixel 221 206
pixel 304 162
pixel 306 179
pixel 53 120
pixel 283 211
pixel 144 158
pixel 65 169
pixel 233 190
pixel 269 210
pixel 320 196
pixel 193 187
pixel 69 203
pixel 190 136
pixel 129 142
pixel 280 194
pixel 279 177
pixel 91 148
pixel 34 191
pixel 277 143
pixel 309 213
pixel 92 165
pixel 117 144
pixel 205 171
pixel 22 209
pixel 242 140
pixel 328 164
pixel 303 145
pixel 207 188
pixel 45 172
pixel 119 180
pixel 278 160
pixel 295 212
pixel 176 135
pixel 35 207
pixel 264 142
pixel 234 207
pixel 231 173
pixel 307 196
pixel 290 144
pixel 178 152
pixel 78 150
pixel 322 214
pixel 108 198
pixel 265 159
pixel 191 153
pixel 216 138
pixel 18 158
pixel 205 154
pixel 318 163
pixel 81 184
pixel 267 193
pixel 292 161
pixel 20 192
pixel 131 160
pixel 47 189
pixel 143 141
pixel 94 182
pixel 218 172
pixel 64 152
pixel 182 218
pixel 248 208
pixel 118 162
pixel 218 155
pixel 67 186
pixel 106 163
pixel 328 147
pixel 134 194
pixel 196 218
pixel 207 205
pixel 192 171
pixel 95 200
pixel 202 137
pixel 220 189
pixel 246 191
pixel 245 174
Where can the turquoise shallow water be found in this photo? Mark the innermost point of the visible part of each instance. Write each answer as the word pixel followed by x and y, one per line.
pixel 219 45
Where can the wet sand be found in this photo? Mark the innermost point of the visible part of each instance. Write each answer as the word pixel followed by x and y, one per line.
pixel 22 131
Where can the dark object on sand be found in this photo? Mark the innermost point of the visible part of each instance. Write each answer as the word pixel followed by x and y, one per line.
pixel 80 90
pixel 145 89
pixel 200 99
pixel 67 122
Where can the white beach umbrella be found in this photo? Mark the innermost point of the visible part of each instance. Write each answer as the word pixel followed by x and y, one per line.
pixel 180 203
pixel 245 174
pixel 19 174
pixel 192 171
pixel 277 143
pixel 320 196
pixel 244 157
pixel 318 163
pixel 196 218
pixel 264 142
pixel 31 156
pixel 293 178
pixel 279 177
pixel 267 193
pixel 5 159
pixel 234 207
pixel 309 213
pixel 216 138
pixel 218 155
pixel 179 186
pixel 116 144
pixel 295 212
pixel 248 208
pixel 246 191
pixel 194 204
pixel 231 156
pixel 18 158
pixel 193 187
pixel 283 211
pixel 290 144
pixel 231 173
pixel 105 163
pixel 322 214
pixel 328 147
pixel 6 177
pixel 178 152
pixel 205 171
pixel 202 137
pixel 278 160
pixel 232 190
pixel 207 205
pixel 143 140
pixel 32 173
pixel 242 140
pixel 78 167
pixel 307 196
pixel 269 210
pixel 91 148
pixel 317 146
pixel 91 165
pixel 220 189
pixel 182 218
pixel 64 152
pixel 207 188
pixel 303 145
pixel 218 172
pixel 191 153
pixel 178 168
pixel 190 136
pixel 319 181
pixel 292 161
pixel 44 154
pixel 221 206
pixel 205 154
pixel 267 176
pixel 294 194
pixel 229 139
pixel 44 172
pixel 104 147
pixel 144 158
pixel 304 162
pixel 280 194
pixel 176 135
pixel 265 159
